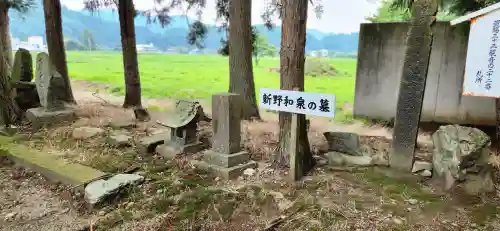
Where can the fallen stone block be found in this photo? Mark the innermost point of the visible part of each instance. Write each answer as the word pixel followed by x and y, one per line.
pixel 98 191
pixel 344 142
pixel 48 165
pixel 40 117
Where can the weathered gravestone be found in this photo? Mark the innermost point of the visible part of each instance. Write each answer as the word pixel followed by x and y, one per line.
pixel 461 157
pixel 25 92
pixel 23 66
pixel 226 157
pixel 183 126
pixel 50 87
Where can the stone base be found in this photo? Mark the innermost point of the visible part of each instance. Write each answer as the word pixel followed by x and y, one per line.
pixel 170 151
pixel 225 160
pixel 226 173
pixel 40 117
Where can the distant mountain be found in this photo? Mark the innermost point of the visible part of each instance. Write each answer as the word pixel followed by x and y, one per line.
pixel 105 28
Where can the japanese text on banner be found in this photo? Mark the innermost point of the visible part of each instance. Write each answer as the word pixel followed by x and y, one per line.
pixel 298 102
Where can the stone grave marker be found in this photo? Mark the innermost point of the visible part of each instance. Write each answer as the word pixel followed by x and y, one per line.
pixel 50 87
pixel 25 93
pixel 226 157
pixel 23 66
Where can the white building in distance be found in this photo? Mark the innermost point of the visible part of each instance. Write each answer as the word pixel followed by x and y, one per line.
pixel 34 43
pixel 146 48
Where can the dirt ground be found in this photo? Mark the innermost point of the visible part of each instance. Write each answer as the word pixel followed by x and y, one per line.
pixel 28 202
pixel 178 196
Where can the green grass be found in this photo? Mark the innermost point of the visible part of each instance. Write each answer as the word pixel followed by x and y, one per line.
pixel 199 76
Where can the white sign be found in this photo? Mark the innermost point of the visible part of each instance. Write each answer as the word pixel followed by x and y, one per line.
pixel 482 70
pixel 308 103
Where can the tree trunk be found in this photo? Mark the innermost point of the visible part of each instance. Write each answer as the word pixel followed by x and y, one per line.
pixel 126 13
pixel 5 43
pixel 55 43
pixel 292 58
pixel 411 91
pixel 9 110
pixel 240 56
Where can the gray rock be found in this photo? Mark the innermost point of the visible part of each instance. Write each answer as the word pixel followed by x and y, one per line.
pixel 148 144
pixel 119 139
pixel 412 201
pixel 98 191
pixel 10 216
pixel 86 132
pixel 397 221
pixel 320 161
pixel 343 142
pixel 461 155
pixel 122 124
pixel 340 159
pixel 380 160
pixel 419 166
pixel 425 173
pixel 41 117
pixel 249 172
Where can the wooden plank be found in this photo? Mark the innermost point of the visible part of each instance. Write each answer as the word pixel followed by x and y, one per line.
pixel 476 14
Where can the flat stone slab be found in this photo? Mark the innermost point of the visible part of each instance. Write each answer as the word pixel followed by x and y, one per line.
pixel 419 166
pixel 226 173
pixel 172 151
pixel 119 140
pixel 40 117
pixel 148 144
pixel 225 160
pixel 82 133
pixel 98 191
pixel 50 166
pixel 122 124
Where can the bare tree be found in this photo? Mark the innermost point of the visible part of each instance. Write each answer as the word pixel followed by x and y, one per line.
pixel 241 79
pixel 9 110
pixel 127 13
pixel 292 58
pixel 55 43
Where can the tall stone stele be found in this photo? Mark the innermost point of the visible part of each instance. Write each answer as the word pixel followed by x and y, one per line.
pixel 51 88
pixel 24 90
pixel 226 157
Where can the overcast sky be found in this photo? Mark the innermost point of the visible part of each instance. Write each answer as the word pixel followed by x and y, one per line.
pixel 341 16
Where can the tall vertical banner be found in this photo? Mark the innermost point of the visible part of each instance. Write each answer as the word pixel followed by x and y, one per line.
pixel 482 70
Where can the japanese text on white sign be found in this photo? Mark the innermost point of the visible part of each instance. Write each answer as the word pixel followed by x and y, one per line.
pixel 308 103
pixel 481 69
